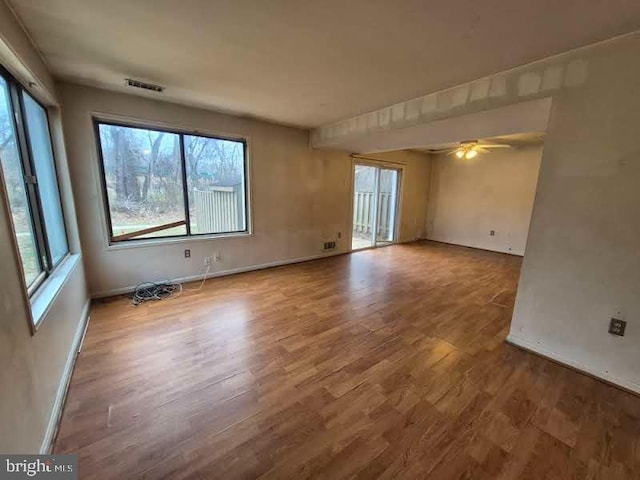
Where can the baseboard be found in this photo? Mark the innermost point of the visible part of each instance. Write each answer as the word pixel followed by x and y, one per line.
pixel 61 394
pixel 606 377
pixel 221 273
pixel 514 254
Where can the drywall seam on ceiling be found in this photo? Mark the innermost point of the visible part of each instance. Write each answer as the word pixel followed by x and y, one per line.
pixel 533 81
pixel 529 116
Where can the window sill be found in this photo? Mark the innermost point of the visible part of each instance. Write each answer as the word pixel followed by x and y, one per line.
pixel 168 241
pixel 45 296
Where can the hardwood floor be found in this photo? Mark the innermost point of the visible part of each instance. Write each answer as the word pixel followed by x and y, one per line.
pixel 387 363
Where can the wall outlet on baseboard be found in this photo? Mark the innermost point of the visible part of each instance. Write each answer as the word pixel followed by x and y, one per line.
pixel 207 261
pixel 217 257
pixel 187 253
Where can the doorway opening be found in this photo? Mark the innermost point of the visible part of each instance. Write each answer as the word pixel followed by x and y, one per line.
pixel 375 205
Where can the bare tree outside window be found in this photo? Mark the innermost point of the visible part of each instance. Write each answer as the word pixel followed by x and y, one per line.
pixel 143 175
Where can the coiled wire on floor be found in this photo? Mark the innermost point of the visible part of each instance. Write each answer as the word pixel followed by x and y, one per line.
pixel 161 289
pixel 154 291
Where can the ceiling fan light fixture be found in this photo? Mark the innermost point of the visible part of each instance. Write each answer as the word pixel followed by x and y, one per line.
pixel 471 149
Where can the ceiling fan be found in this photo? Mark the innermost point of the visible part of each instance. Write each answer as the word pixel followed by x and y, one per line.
pixel 471 148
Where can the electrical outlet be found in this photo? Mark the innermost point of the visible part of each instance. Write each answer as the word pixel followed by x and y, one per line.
pixel 492 233
pixel 207 261
pixel 339 234
pixel 217 256
pixel 617 327
pixel 187 253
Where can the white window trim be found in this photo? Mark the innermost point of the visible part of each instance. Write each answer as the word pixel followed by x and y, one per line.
pixel 42 300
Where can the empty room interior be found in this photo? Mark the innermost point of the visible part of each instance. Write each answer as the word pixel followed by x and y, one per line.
pixel 394 239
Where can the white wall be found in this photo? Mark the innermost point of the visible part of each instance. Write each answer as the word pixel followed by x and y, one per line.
pixel 299 197
pixel 582 264
pixel 470 198
pixel 33 368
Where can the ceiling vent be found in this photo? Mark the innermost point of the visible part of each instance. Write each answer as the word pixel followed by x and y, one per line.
pixel 144 85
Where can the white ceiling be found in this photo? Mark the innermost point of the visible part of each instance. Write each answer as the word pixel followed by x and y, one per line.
pixel 308 62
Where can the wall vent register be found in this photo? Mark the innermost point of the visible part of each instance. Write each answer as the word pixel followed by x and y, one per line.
pixel 144 85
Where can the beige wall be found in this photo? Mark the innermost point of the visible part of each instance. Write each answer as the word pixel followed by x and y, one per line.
pixel 33 367
pixel 299 197
pixel 582 264
pixel 470 198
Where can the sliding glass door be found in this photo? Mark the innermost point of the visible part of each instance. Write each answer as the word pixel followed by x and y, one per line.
pixel 374 206
pixel 387 201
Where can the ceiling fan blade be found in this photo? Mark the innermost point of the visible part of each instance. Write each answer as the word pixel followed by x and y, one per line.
pixel 493 145
pixel 441 150
pixel 481 150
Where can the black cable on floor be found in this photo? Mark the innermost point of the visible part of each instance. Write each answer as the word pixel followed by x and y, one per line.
pixel 154 291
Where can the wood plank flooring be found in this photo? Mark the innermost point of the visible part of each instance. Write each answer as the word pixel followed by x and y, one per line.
pixel 387 363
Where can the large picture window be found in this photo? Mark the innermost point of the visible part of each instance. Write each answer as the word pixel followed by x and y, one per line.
pixel 30 182
pixel 160 183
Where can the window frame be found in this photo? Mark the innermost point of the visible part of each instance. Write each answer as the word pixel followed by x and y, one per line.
pixel 98 120
pixel 34 204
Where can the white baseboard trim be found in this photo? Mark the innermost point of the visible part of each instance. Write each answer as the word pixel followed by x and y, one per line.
pixel 497 250
pixel 605 376
pixel 222 273
pixel 61 394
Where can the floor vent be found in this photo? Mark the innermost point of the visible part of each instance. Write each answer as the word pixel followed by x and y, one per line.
pixel 144 85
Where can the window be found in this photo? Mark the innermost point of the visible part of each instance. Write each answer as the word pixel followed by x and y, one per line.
pixel 45 171
pixel 161 184
pixel 30 181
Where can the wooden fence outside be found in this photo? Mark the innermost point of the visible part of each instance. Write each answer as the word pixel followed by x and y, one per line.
pixel 219 209
pixel 363 206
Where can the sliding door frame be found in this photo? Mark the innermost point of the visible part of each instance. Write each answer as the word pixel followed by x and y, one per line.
pixel 371 162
